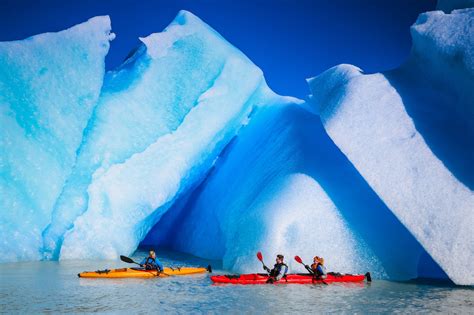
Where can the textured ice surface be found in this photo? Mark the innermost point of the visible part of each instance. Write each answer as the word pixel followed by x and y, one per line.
pixel 192 90
pixel 187 147
pixel 293 215
pixel 436 87
pixel 409 133
pixel 49 84
pixel 283 186
pixel 148 97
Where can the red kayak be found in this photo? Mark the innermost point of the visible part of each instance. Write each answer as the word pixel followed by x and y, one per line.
pixel 301 278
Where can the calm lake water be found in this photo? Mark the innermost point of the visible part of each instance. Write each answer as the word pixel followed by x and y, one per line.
pixel 53 287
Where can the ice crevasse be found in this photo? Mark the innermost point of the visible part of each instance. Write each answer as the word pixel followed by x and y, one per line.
pixel 185 146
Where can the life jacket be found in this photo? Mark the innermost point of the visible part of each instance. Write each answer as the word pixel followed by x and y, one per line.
pixel 150 264
pixel 318 269
pixel 277 269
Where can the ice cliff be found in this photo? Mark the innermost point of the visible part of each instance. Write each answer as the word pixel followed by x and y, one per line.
pixel 282 183
pixel 161 121
pixel 410 134
pixel 49 85
pixel 185 146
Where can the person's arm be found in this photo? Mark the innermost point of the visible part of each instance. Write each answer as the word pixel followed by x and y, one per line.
pixel 159 265
pixel 320 270
pixel 309 269
pixel 143 261
pixel 267 269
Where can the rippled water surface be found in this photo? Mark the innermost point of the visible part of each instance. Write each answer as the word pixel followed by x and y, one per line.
pixel 54 287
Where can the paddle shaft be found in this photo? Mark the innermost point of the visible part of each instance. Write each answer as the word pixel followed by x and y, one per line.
pixel 260 257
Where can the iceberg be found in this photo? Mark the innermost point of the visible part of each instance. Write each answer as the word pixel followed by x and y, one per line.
pixel 146 98
pixel 185 146
pixel 196 107
pixel 283 186
pixel 49 84
pixel 409 132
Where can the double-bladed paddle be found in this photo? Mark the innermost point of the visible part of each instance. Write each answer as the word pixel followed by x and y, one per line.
pixel 131 261
pixel 298 259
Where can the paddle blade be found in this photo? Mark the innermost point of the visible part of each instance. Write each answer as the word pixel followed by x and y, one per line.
pixel 259 256
pixel 298 259
pixel 126 259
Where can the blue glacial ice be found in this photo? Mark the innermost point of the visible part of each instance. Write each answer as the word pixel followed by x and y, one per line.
pixel 49 84
pixel 282 185
pixel 184 145
pixel 196 106
pixel 410 134
pixel 148 97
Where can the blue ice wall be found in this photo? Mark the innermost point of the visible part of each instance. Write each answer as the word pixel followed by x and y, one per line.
pixel 160 123
pixel 140 102
pixel 49 84
pixel 185 146
pixel 410 134
pixel 262 195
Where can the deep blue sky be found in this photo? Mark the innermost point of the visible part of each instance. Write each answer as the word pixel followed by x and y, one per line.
pixel 289 40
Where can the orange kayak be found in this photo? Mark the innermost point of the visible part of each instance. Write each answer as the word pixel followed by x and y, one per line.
pixel 142 273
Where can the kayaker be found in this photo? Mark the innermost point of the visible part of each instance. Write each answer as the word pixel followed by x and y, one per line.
pixel 151 262
pixel 279 269
pixel 318 268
